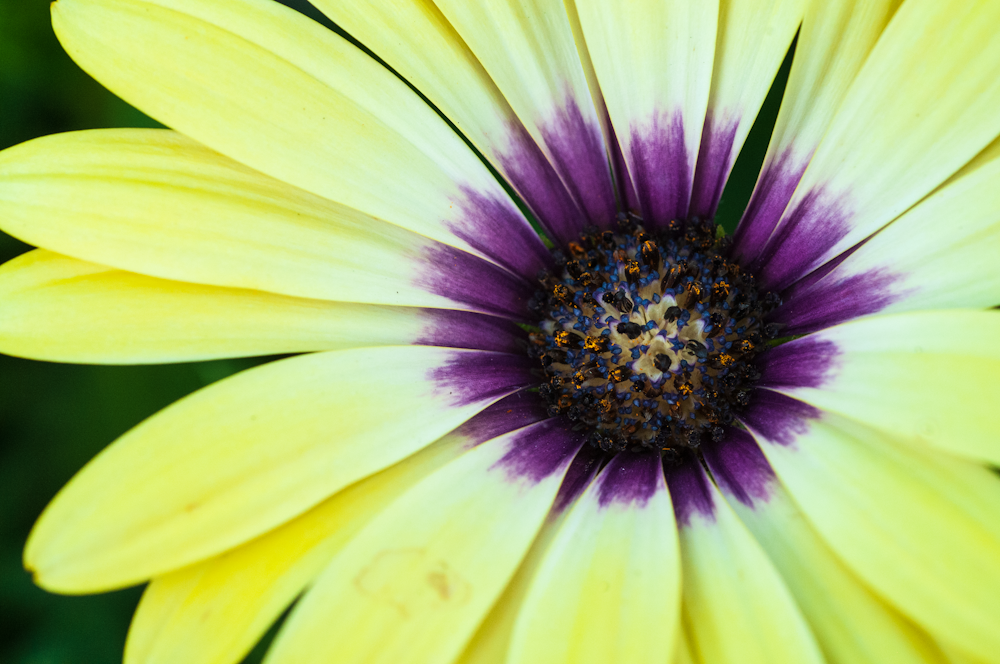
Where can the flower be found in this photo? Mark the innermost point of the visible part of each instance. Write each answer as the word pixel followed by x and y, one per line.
pixel 774 447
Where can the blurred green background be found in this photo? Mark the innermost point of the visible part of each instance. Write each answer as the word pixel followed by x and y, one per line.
pixel 54 417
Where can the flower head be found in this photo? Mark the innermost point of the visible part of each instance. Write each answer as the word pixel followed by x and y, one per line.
pixel 633 440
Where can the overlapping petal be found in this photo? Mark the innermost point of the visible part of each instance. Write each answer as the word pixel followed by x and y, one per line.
pixel 418 42
pixel 415 583
pixel 736 606
pixel 851 624
pixel 653 60
pixel 157 203
pixel 931 257
pixel 608 588
pixel 905 375
pixel 57 308
pixel 895 136
pixel 833 43
pixel 528 48
pixel 919 527
pixel 276 91
pixel 213 612
pixel 248 453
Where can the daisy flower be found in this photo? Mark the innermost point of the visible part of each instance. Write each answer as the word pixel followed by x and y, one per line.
pixel 629 439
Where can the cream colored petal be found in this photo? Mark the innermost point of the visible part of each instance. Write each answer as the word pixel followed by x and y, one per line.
pixel 418 42
pixel 938 255
pixel 926 378
pixel 415 583
pixel 753 38
pixel 608 589
pixel 834 41
pixel 653 59
pixel 918 526
pixel 736 607
pixel 157 203
pixel 248 453
pixel 213 612
pixel 923 105
pixel 64 310
pixel 527 47
pixel 276 91
pixel 852 625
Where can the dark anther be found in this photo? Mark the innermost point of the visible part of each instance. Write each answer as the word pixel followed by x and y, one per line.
pixel 694 291
pixel 568 339
pixel 698 349
pixel 543 275
pixel 629 329
pixel 673 313
pixel 620 374
pixel 609 238
pixel 562 293
pixel 650 254
pixel 718 433
pixel 743 397
pixel 596 344
pixel 574 269
pixel 622 303
pixel 662 362
pixel 632 271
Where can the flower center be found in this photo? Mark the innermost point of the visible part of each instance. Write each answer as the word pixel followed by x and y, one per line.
pixel 648 339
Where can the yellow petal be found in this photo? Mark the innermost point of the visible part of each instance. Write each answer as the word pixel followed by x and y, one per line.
pixel 737 608
pixel 753 38
pixel 492 641
pixel 851 624
pixel 415 583
pixel 898 374
pixel 653 59
pixel 922 105
pixel 248 453
pixel 918 526
pixel 835 39
pixel 935 256
pixel 213 612
pixel 417 41
pixel 608 589
pixel 527 47
pixel 157 203
pixel 61 309
pixel 278 92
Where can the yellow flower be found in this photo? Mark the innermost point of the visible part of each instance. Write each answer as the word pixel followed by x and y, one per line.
pixel 647 476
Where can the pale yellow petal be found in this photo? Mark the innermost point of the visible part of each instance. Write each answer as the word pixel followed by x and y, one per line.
pixel 918 526
pixel 248 453
pixel 415 583
pixel 608 589
pixel 528 49
pixel 926 378
pixel 653 59
pixel 64 310
pixel 937 255
pixel 157 203
pixel 280 93
pixel 851 624
pixel 418 42
pixel 922 105
pixel 491 642
pixel 753 38
pixel 213 612
pixel 737 609
pixel 835 39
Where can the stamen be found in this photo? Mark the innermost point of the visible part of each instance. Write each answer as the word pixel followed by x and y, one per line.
pixel 648 340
